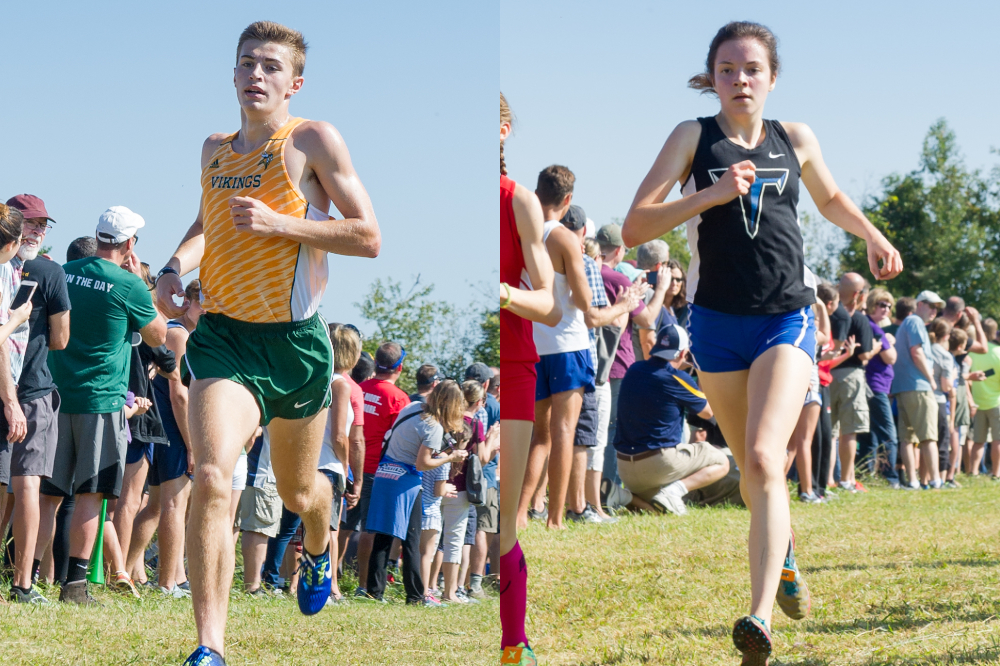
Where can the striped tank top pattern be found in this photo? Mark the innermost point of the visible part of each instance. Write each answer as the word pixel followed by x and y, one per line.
pixel 250 278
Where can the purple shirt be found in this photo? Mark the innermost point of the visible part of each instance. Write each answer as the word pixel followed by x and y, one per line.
pixel 625 356
pixel 878 373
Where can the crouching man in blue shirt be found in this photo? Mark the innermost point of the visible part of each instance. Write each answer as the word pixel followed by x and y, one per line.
pixel 653 461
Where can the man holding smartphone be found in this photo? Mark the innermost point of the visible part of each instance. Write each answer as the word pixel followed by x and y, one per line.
pixel 33 456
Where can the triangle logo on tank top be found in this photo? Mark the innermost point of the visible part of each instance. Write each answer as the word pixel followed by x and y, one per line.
pixel 775 178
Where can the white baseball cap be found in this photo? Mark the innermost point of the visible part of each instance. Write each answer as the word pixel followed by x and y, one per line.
pixel 928 296
pixel 118 224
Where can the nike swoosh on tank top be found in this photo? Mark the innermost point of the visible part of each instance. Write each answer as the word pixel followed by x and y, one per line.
pixel 251 278
pixel 746 255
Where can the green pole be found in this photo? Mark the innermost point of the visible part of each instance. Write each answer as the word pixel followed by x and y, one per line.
pixel 95 572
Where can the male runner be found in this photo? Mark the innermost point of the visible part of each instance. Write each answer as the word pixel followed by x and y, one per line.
pixel 261 353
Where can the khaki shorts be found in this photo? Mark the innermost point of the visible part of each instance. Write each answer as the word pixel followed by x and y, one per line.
pixel 849 400
pixel 488 515
pixel 918 417
pixel 986 425
pixel 260 510
pixel 648 476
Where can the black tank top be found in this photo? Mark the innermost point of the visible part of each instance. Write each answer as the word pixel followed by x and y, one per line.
pixel 746 255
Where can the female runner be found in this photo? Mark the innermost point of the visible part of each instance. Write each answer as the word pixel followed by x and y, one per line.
pixel 752 327
pixel 526 279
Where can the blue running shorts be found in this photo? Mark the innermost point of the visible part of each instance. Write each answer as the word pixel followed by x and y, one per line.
pixel 727 343
pixel 564 372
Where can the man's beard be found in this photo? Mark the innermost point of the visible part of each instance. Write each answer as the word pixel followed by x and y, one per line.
pixel 27 253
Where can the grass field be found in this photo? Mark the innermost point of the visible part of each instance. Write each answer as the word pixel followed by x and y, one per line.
pixel 897 577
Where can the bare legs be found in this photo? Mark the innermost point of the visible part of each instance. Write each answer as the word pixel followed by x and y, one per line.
pixel 752 407
pixel 26 526
pixel 800 445
pixel 848 449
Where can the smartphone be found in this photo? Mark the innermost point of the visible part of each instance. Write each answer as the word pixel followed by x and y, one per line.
pixel 651 278
pixel 24 294
pixel 990 372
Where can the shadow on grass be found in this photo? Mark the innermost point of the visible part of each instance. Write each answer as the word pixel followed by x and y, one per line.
pixel 894 566
pixel 978 655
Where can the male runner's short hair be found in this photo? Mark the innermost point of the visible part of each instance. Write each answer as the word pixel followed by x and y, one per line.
pixel 346 347
pixel 193 291
pixel 11 223
pixel 269 31
pixel 387 356
pixel 426 374
pixel 554 183
pixel 81 248
pixel 905 306
pixel 446 405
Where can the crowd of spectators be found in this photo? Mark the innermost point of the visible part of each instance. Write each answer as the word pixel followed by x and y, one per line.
pixel 94 387
pixel 904 389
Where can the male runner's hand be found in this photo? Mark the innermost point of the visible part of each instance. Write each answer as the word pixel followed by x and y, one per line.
pixel 255 217
pixel 168 286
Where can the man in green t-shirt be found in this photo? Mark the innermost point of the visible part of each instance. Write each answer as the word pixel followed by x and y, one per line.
pixel 986 396
pixel 111 304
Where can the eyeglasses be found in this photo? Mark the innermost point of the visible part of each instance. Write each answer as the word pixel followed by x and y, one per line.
pixel 883 305
pixel 677 280
pixel 354 328
pixel 37 226
pixel 135 240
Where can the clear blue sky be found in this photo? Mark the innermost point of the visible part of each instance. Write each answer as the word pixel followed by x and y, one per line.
pixel 109 103
pixel 598 86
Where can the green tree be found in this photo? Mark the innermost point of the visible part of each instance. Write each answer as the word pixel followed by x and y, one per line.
pixel 944 220
pixel 430 330
pixel 675 239
pixel 488 349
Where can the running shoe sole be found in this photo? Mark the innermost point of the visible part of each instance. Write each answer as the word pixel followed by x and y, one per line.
pixel 751 638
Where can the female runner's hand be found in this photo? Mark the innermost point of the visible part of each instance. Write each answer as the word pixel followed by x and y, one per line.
pixel 735 182
pixel 880 249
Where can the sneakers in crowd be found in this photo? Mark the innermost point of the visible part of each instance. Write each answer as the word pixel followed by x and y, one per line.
pixel 204 656
pixel 894 485
pixel 431 601
pixel 847 486
pixel 613 496
pixel 588 515
pixel 29 596
pixel 477 593
pixel 518 655
pixel 315 576
pixel 124 583
pixel 810 498
pixel 463 597
pixel 186 586
pixel 538 515
pixel 360 592
pixel 176 592
pixel 952 484
pixel 77 593
pixel 793 594
pixel 670 499
pixel 858 486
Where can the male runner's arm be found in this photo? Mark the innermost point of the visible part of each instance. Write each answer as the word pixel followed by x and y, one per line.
pixel 567 245
pixel 327 160
pixel 188 255
pixel 538 303
pixel 16 423
pixel 836 206
pixel 59 330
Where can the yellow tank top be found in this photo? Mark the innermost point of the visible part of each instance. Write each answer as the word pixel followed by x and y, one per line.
pixel 249 278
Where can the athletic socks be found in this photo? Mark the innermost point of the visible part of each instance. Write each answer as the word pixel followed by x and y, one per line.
pixel 475 582
pixel 513 597
pixel 677 488
pixel 77 570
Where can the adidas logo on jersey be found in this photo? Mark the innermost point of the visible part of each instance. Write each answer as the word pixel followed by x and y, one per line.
pixel 214 165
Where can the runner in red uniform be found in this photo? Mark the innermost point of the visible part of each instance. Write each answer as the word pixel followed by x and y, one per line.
pixel 525 296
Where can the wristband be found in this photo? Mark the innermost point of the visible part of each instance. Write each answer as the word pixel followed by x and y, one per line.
pixel 506 303
pixel 164 271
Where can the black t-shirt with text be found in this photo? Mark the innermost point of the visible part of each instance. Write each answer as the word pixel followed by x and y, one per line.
pixel 51 297
pixel 844 325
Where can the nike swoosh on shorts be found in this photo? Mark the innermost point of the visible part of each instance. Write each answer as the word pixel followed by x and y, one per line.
pixel 302 404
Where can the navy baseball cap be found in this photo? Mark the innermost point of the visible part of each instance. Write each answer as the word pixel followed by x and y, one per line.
pixel 671 342
pixel 574 219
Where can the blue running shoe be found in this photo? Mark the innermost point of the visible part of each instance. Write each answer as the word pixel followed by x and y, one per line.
pixel 204 656
pixel 314 582
pixel 793 595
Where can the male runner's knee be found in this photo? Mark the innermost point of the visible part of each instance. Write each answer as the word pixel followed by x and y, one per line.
pixel 296 498
pixel 210 478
